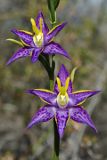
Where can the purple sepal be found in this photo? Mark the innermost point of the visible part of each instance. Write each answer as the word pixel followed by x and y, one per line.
pixel 49 97
pixel 83 95
pixel 35 55
pixel 26 38
pixel 44 114
pixel 55 48
pixel 44 26
pixel 61 119
pixel 55 31
pixel 21 53
pixel 79 115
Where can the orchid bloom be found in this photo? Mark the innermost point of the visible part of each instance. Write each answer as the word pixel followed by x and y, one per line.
pixel 62 103
pixel 38 42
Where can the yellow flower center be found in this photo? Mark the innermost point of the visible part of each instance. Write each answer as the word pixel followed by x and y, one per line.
pixel 38 34
pixel 38 40
pixel 63 98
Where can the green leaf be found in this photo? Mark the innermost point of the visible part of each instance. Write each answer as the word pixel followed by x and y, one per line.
pixel 52 5
pixel 56 4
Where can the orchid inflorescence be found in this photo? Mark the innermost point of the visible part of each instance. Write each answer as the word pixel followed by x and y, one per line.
pixel 61 102
pixel 40 41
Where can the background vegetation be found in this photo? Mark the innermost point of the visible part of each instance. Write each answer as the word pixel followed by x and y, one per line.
pixel 85 38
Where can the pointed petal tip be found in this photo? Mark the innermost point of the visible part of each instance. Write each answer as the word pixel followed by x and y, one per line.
pixel 30 91
pixel 94 128
pixel 40 13
pixel 62 68
pixel 61 135
pixel 61 25
pixel 92 125
pixel 96 92
pixel 34 58
pixel 64 23
pixel 29 126
pixel 69 57
pixel 8 62
pixel 33 122
pixel 33 61
pixel 13 30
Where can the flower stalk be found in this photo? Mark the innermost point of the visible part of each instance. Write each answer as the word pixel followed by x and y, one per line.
pixel 56 134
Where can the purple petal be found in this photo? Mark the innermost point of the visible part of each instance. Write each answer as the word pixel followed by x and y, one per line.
pixel 72 101
pixel 55 48
pixel 54 31
pixel 61 118
pixel 80 96
pixel 44 26
pixel 52 100
pixel 35 55
pixel 44 114
pixel 63 74
pixel 21 53
pixel 46 95
pixel 25 37
pixel 78 114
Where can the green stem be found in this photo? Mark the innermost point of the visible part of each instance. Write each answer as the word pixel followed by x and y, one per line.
pixel 56 142
pixel 50 67
pixel 52 11
pixel 56 134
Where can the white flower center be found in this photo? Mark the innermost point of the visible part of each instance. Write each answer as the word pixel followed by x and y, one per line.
pixel 38 39
pixel 62 100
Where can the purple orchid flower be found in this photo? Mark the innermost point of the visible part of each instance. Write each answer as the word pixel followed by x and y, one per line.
pixel 62 103
pixel 38 42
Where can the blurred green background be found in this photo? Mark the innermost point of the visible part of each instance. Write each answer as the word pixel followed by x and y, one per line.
pixel 85 38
